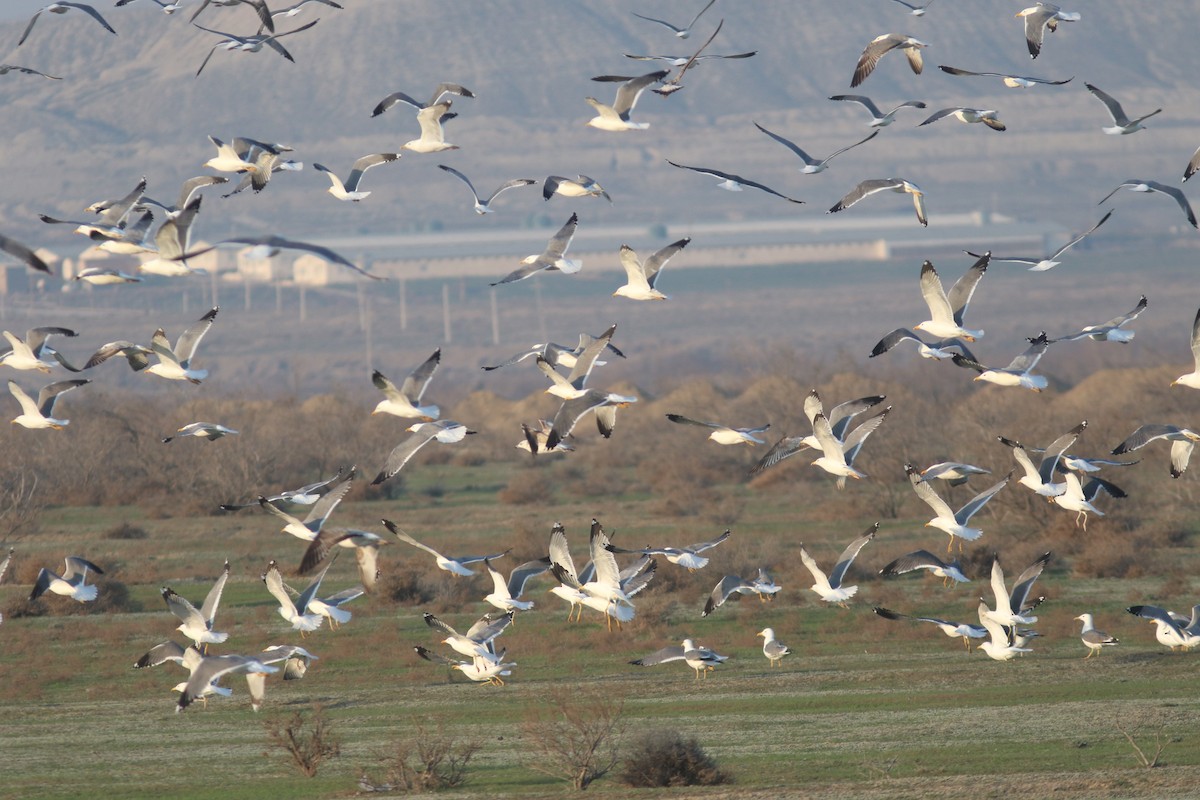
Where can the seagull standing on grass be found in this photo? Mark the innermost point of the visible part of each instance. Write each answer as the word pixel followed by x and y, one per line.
pixel 773 649
pixel 1094 639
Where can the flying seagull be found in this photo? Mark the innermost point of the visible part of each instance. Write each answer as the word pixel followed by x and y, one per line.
pixel 604 404
pixel 439 92
pixel 250 44
pixel 72 583
pixel 1121 123
pixel 270 243
pixel 701 659
pixel 1193 165
pixel 7 68
pixel 1078 497
pixel 201 430
pixel 405 401
pixel 946 310
pixel 953 523
pixel 209 670
pixel 348 189
pixel 62 8
pixel 1019 371
pixel 616 116
pixel 1039 18
pixel 878 118
pixel 1111 331
pixel 478 640
pixel 1191 379
pixel 293 498
pixel 684 63
pixel 642 276
pixel 31 352
pixel 506 595
pixel 986 116
pixel 724 434
pixel 829 588
pixel 915 10
pixel 1040 479
pixel 1138 185
pixel 40 415
pixel 965 630
pixel 839 417
pixel 763 586
pixel 1013 607
pixel 954 473
pixel 318 514
pixel 937 350
pixel 197 625
pixel 484 206
pixel 24 254
pixel 176 363
pixel 1182 441
pixel 813 165
pixel 882 45
pixel 923 559
pixel 491 670
pixel 1011 81
pixel 572 386
pixel 875 185
pixel 731 182
pixel 444 430
pixel 687 556
pixel 552 258
pixel 583 187
pixel 298 612
pixel 1037 264
pixel 683 32
pixel 453 565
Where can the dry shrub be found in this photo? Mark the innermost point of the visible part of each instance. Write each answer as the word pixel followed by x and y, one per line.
pixel 429 760
pixel 527 487
pixel 574 735
pixel 665 758
pixel 308 741
pixel 126 531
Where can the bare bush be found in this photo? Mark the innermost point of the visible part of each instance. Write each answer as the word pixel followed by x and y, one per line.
pixel 429 760
pixel 20 503
pixel 308 740
pixel 1157 725
pixel 665 758
pixel 574 735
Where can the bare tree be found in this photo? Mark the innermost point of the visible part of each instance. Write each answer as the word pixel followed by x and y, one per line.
pixel 574 735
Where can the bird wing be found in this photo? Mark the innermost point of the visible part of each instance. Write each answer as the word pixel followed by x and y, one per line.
pixel 790 145
pixel 1080 237
pixel 847 557
pixel 935 296
pixel 401 454
pixel 700 547
pixel 918 559
pixel 629 91
pixel 682 420
pixel 25 254
pixel 673 653
pixel 721 592
pixel 871 55
pixel 362 165
pixel 465 180
pixel 321 509
pixel 857 437
pixel 189 340
pixel 892 339
pixel 160 654
pixel 786 447
pixel 959 296
pixel 866 102
pixel 418 380
pixel 521 575
pixel 979 501
pixel 213 599
pixel 1054 452
pixel 311 590
pixel 183 609
pixel 1114 108
pixel 27 404
pixel 830 446
pixel 560 554
pixel 926 492
pixel 635 273
pixel 935 116
pixel 654 264
pixel 841 415
pixel 867 187
pixel 274 582
pixel 49 394
pixel 1025 581
pixel 817 573
pixel 556 248
pixel 587 358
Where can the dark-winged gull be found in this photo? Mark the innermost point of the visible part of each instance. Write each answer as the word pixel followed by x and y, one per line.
pixel 1193 165
pixel 63 7
pixel 839 417
pixel 443 430
pixel 1040 18
pixel 882 45
pixel 875 185
pixel 731 182
pixel 439 92
pixel 554 257
pixel 724 434
pixel 72 583
pixel 456 565
pixel 831 588
pixel 762 586
pixel 951 522
pixel 700 659
pixel 773 649
pixel 813 165
pixel 583 187
pixel 294 499
pixel 201 430
pixel 1001 644
pixel 1171 630
pixel 478 669
pixel 937 350
pixel 433 137
pixel 318 514
pixel 478 640
pixel 680 32
pixel 954 473
pixel 197 624
pixel 484 205
pixel 1078 496
pixel 295 612
pixel 212 669
pixel 1192 379
pixel 31 352
pixel 641 277
pixel 175 363
pixel 616 116
pixel 964 630
pixel 687 556
pixel 1182 441
pixel 506 595
pixel 271 243
pixel 1146 187
pixel 1038 264
pixel 947 310
pixel 879 119
pixel 571 411
pixel 250 44
pixel 923 559
pixel 1013 607
pixel 1121 123
pixel 572 386
pixel 7 68
pixel 171 243
pixel 366 553
pixel 1011 81
pixel 405 401
pixel 1041 479
pixel 39 415
pixel 25 254
pixel 348 189
pixel 1019 371
pixel 987 116
pixel 1111 331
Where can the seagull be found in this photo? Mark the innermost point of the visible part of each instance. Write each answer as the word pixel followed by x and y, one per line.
pixel 535 437
pixel 923 559
pixel 1012 607
pixel 830 589
pixel 1191 379
pixel 444 430
pixel 439 92
pixel 954 523
pixel 946 311
pixel 201 430
pixel 952 472
pixel 915 10
pixel 883 44
pixel 1037 264
pixel 616 116
pixel 683 32
pixel 837 457
pixel 105 276
pixel 1011 81
pixel 731 182
pixel 40 415
pixel 557 354
pixel 642 277
pixel 270 243
pixel 176 363
pixel 293 10
pixel 484 206
pixel 1111 331
pixel 171 243
pixel 265 17
pixel 198 625
pixel 839 417
pixel 298 613
pixel 331 607
pixel 572 386
pixel 236 157
pixel 212 669
pixel 348 189
pixel 763 586
pixel 773 649
pixel 688 556
pixel 1019 370
pixel 478 669
pixel 453 565
pixel 7 68
pixel 293 499
pixel 1078 497
pixel 366 554
pixel 1182 441
pixel 1040 17
pixel 25 254
pixel 63 7
pixel 571 411
pixel 1040 479
pixel 506 595
pixel 72 583
pixel 28 353
pixel 684 63
pixel 986 116
pixel 433 138
pixel 295 664
pixel 1145 186
pixel 878 118
pixel 1193 165
pixel 477 641
pixel 630 580
pixel 605 585
pixel 168 8
pixel 812 165
pixel 1001 644
pixel 552 258
pixel 583 187
pixel 308 528
pixel 723 434
pixel 874 185
pixel 1170 630
pixel 701 659
pixel 1121 123
pixel 964 630
pixel 938 350
pixel 405 402
pixel 250 44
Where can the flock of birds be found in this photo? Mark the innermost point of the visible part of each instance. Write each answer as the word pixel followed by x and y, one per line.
pixel 604 585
